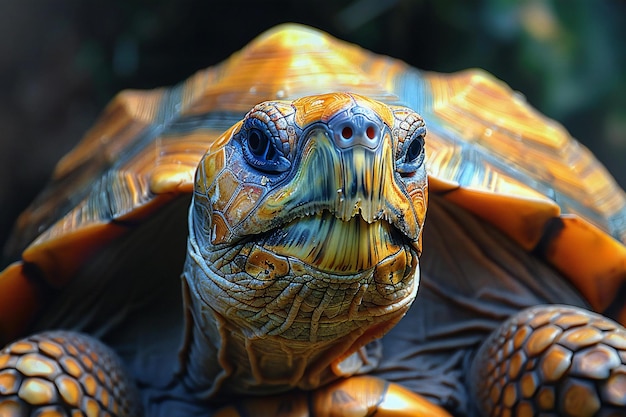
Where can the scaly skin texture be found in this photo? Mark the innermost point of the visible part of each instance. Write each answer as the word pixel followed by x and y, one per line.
pixel 296 264
pixel 561 360
pixel 61 373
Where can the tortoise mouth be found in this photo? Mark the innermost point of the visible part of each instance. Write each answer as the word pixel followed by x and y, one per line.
pixel 315 278
pixel 336 246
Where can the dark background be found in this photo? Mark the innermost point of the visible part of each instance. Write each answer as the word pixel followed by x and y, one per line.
pixel 62 60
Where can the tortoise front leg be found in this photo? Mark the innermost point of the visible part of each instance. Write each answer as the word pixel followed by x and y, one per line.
pixel 61 373
pixel 358 396
pixel 552 361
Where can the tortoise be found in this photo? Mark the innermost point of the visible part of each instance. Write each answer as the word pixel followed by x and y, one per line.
pixel 298 171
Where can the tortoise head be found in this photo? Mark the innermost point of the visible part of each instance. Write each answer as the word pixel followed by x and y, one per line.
pixel 305 232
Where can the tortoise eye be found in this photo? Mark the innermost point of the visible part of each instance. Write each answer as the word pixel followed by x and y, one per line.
pixel 415 149
pixel 412 156
pixel 260 151
pixel 258 143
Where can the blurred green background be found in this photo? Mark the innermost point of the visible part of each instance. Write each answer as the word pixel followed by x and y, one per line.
pixel 62 60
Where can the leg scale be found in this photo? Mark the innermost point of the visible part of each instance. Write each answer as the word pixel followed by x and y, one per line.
pixel 61 373
pixel 552 361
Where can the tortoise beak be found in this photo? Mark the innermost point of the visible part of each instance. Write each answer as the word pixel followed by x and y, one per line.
pixel 344 202
pixel 346 182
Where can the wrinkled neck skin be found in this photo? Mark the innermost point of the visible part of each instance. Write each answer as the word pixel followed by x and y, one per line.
pixel 259 322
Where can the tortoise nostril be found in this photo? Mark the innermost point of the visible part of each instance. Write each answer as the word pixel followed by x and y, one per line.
pixel 356 126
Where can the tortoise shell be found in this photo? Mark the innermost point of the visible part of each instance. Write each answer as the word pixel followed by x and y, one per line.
pixel 489 153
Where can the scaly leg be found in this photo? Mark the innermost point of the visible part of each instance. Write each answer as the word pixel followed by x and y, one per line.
pixel 553 361
pixel 61 373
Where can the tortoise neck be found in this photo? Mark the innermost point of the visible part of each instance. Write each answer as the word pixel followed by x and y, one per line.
pixel 288 326
pixel 220 357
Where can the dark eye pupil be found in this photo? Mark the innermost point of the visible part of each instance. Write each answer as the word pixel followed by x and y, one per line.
pixel 415 149
pixel 257 143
